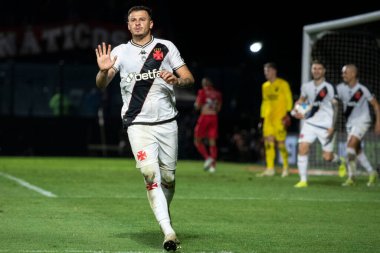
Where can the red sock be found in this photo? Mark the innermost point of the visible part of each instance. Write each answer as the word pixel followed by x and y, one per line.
pixel 214 152
pixel 202 150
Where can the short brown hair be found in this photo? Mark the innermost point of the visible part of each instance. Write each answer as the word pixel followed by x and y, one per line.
pixel 139 8
pixel 270 65
pixel 317 62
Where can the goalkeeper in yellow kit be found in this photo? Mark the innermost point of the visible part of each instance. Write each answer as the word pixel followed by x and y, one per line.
pixel 277 102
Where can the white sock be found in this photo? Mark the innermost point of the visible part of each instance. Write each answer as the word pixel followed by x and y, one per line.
pixel 363 160
pixel 168 192
pixel 157 198
pixel 160 209
pixel 302 161
pixel 351 154
pixel 166 227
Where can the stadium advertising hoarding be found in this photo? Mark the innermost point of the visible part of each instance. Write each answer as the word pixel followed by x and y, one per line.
pixel 36 40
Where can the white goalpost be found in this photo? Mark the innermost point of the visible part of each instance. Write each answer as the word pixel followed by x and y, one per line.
pixel 354 39
pixel 312 32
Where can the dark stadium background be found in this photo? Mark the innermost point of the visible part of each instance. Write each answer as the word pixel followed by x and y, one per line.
pixel 213 38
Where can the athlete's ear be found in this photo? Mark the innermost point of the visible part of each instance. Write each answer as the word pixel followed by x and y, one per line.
pixel 151 24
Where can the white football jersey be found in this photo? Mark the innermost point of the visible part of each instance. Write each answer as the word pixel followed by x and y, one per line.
pixel 147 98
pixel 355 103
pixel 320 97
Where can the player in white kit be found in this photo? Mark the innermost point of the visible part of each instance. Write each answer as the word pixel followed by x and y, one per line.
pixel 319 122
pixel 146 66
pixel 355 98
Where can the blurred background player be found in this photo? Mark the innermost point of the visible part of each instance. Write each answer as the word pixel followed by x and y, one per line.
pixel 209 102
pixel 319 122
pixel 276 104
pixel 355 98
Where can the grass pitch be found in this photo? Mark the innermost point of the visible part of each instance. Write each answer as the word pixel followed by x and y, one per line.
pixel 101 206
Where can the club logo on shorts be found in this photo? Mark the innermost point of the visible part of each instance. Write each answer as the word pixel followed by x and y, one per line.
pixel 141 155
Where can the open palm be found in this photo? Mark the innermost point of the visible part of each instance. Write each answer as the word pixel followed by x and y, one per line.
pixel 103 57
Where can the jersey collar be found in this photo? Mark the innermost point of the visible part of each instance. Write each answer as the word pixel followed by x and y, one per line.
pixel 143 46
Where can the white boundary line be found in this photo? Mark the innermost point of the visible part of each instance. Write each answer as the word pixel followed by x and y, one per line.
pixel 98 251
pixel 74 251
pixel 29 186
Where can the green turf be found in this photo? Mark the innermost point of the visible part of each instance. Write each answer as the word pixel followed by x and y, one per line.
pixel 101 206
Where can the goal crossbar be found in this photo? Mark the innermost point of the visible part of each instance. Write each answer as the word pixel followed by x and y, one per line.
pixel 308 30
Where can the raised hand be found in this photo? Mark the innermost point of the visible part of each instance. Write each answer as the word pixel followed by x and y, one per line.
pixel 103 57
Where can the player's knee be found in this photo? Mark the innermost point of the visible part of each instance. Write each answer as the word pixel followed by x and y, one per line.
pixel 269 144
pixel 149 173
pixel 212 142
pixel 328 156
pixel 168 177
pixel 303 149
pixel 281 146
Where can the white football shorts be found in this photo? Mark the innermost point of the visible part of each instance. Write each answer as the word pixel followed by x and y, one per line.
pixel 358 130
pixel 310 133
pixel 154 143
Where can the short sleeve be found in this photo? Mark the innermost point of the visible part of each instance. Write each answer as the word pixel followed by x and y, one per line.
pixel 175 59
pixel 367 94
pixel 303 91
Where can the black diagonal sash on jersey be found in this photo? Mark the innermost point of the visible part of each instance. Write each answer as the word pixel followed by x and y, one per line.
pixel 351 104
pixel 321 95
pixel 142 87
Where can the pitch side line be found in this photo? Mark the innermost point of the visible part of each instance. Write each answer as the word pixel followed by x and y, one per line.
pixel 29 186
pixel 96 251
pixel 73 251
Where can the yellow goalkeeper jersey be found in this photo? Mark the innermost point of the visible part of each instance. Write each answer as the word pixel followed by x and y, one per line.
pixel 277 99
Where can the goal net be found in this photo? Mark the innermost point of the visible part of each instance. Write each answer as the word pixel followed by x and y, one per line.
pixel 355 40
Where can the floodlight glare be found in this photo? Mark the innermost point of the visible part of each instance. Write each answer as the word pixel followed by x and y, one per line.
pixel 256 47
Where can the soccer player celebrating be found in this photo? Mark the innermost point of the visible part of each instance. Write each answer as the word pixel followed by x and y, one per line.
pixel 355 98
pixel 209 102
pixel 147 65
pixel 319 122
pixel 276 104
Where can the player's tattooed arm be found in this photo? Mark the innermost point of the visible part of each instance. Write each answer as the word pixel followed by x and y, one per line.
pixel 184 82
pixel 185 78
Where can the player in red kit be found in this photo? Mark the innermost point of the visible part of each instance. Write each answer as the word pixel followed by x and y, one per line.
pixel 209 102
